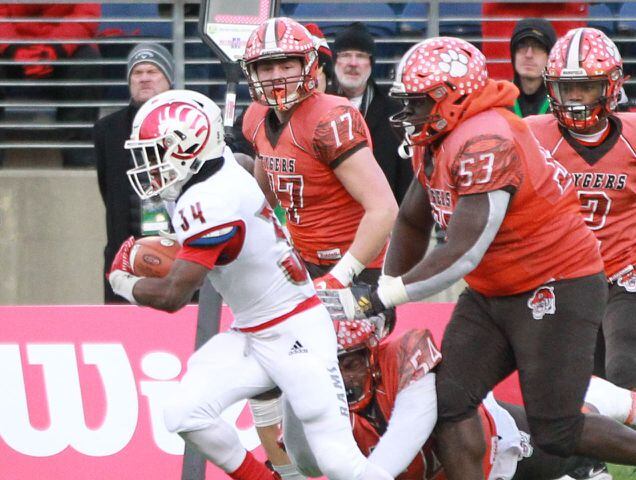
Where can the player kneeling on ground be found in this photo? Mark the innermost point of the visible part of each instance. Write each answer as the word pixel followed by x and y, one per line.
pixel 390 388
pixel 281 336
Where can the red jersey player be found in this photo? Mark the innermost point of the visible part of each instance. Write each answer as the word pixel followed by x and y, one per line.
pixel 390 389
pixel 536 291
pixel 314 158
pixel 584 76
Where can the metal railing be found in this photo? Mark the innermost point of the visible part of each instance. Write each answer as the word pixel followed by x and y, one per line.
pixel 174 24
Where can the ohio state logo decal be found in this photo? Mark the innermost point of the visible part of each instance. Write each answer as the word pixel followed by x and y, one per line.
pixel 542 302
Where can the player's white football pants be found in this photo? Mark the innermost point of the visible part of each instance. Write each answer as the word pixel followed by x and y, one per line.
pixel 300 356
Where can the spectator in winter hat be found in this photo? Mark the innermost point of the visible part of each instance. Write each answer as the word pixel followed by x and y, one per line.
pixel 530 44
pixel 354 50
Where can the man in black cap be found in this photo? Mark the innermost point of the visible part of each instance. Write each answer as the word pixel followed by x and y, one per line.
pixel 530 44
pixel 354 50
pixel 150 71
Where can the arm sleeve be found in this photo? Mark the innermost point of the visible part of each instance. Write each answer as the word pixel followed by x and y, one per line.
pixel 216 246
pixel 470 258
pixel 411 423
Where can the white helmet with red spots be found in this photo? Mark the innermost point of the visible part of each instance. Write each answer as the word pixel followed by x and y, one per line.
pixel 173 134
pixel 357 337
pixel 446 71
pixel 281 38
pixel 583 57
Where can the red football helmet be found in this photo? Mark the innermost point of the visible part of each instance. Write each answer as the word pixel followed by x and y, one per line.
pixel 583 58
pixel 357 354
pixel 172 135
pixel 443 72
pixel 275 39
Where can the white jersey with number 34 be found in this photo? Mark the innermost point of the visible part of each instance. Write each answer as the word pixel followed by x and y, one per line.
pixel 260 277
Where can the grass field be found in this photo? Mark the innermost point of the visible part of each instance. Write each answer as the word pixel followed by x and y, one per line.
pixel 620 472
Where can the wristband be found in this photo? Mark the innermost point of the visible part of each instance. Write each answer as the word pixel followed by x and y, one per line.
pixel 348 267
pixel 391 291
pixel 123 284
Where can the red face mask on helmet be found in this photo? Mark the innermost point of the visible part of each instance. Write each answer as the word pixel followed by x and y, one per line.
pixel 172 135
pixel 442 73
pixel 357 354
pixel 279 39
pixel 583 58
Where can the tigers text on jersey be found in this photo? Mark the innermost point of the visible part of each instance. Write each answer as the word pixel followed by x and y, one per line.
pixel 543 236
pixel 257 273
pixel 605 181
pixel 299 159
pixel 407 358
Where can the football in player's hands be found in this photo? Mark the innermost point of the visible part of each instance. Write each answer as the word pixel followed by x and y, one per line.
pixel 153 256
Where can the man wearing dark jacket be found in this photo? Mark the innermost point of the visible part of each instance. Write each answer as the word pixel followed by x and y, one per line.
pixel 354 50
pixel 150 71
pixel 530 44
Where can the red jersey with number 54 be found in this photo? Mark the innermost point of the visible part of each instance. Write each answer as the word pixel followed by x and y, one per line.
pixel 605 180
pixel 401 361
pixel 543 236
pixel 299 158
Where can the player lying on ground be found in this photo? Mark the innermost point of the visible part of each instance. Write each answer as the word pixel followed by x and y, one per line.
pixel 281 335
pixel 391 394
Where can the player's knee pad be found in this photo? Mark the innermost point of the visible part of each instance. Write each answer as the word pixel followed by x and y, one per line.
pixel 453 401
pixel 184 415
pixel 266 412
pixel 557 436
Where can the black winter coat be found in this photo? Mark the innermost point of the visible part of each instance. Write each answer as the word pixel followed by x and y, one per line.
pixel 121 202
pixel 398 171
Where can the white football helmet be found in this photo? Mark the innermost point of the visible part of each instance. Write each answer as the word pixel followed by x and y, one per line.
pixel 173 134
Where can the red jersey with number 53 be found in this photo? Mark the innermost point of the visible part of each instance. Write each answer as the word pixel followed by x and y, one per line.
pixel 299 159
pixel 605 181
pixel 543 236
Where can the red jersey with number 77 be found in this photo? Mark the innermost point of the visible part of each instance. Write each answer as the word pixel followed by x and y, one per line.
pixel 299 159
pixel 543 236
pixel 605 180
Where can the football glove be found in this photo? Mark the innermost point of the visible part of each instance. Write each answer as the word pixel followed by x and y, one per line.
pixel 122 258
pixel 356 302
pixel 328 282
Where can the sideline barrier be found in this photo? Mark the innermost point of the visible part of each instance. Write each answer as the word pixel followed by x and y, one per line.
pixel 82 388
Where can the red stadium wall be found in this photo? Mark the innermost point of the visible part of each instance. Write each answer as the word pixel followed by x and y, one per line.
pixel 83 385
pixel 497 33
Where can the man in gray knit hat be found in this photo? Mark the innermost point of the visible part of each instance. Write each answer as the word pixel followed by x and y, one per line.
pixel 150 71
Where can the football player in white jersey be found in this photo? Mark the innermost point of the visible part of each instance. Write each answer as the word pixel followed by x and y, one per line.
pixel 281 336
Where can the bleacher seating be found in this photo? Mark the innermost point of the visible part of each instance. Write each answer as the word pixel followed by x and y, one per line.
pixel 395 24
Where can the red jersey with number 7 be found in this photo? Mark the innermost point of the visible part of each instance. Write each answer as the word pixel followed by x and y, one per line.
pixel 299 158
pixel 605 180
pixel 543 236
